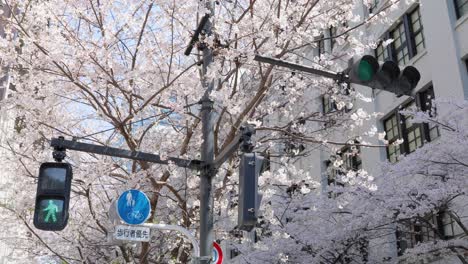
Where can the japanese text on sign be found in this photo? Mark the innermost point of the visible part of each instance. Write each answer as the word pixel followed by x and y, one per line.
pixel 132 233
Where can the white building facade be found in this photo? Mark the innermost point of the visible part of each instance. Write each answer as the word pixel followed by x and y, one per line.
pixel 433 37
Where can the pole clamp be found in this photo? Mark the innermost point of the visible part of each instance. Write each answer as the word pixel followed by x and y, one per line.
pixel 342 77
pixel 247 144
pixel 59 152
pixel 209 169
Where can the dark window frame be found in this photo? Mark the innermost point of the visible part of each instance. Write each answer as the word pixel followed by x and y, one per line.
pixel 351 161
pixel 374 6
pixel 387 53
pixel 328 105
pixel 466 63
pixel 413 32
pixel 393 151
pixel 293 148
pixel 447 234
pixel 321 45
pixel 333 32
pixel 405 45
pixel 427 228
pixel 411 129
pixel 422 102
pixel 459 12
pixel 408 33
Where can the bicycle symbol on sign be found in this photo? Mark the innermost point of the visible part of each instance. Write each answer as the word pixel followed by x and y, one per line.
pixel 135 214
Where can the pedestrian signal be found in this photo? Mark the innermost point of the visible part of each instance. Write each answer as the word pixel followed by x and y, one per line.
pixel 53 195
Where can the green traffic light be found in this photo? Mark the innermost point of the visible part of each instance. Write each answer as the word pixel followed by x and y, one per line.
pixel 365 71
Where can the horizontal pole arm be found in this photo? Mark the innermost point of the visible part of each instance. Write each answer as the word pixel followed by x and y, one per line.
pixel 227 151
pixel 298 67
pixel 196 34
pixel 242 139
pixel 122 153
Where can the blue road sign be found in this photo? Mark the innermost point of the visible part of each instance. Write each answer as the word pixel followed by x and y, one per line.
pixel 133 207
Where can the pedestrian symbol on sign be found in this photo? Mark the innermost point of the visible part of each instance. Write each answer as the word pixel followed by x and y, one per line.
pixel 130 201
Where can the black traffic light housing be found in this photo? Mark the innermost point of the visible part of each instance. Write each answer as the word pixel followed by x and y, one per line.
pixel 53 196
pixel 367 71
pixel 249 199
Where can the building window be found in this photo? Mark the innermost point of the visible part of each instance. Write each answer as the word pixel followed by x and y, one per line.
pixel 392 131
pixel 411 131
pixel 3 92
pixel 400 45
pixel 423 229
pixel 328 104
pixel 234 253
pixel 381 53
pixel 466 64
pixel 448 226
pixel 431 130
pixel 266 161
pixel 347 159
pixel 292 148
pixel 373 6
pixel 417 31
pixel 321 45
pixel 408 40
pixel 411 232
pixel 398 126
pixel 333 33
pixel 351 158
pixel 461 7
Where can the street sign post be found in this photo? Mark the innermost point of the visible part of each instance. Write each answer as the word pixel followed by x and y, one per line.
pixel 217 254
pixel 133 207
pixel 132 233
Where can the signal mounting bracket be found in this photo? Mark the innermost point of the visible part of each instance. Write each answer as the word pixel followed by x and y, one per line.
pixel 59 152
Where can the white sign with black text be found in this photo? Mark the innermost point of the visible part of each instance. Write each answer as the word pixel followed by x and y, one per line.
pixel 133 233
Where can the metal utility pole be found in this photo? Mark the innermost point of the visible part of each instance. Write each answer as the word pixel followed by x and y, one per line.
pixel 207 153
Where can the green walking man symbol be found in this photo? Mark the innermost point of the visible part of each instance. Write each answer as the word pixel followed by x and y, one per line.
pixel 51 210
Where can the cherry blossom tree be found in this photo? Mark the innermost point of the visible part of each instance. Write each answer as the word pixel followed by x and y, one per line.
pixel 364 219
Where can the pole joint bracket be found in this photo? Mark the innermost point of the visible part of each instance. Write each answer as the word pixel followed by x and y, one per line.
pixel 342 77
pixel 209 169
pixel 59 152
pixel 247 143
pixel 206 104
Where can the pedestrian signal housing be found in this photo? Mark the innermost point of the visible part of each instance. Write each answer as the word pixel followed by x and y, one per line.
pixel 249 198
pixel 388 77
pixel 53 196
